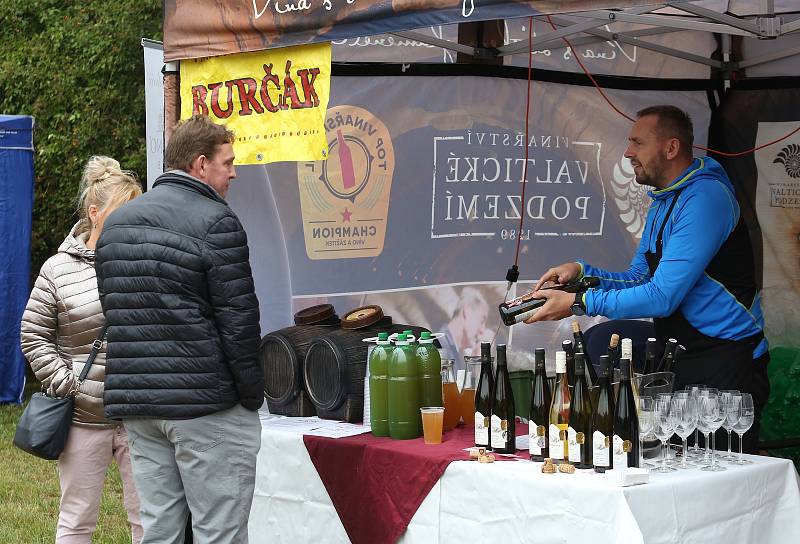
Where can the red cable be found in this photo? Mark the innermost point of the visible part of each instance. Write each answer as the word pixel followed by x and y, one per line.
pixel 629 118
pixel 527 117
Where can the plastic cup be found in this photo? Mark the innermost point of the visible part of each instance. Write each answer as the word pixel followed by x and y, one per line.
pixel 432 418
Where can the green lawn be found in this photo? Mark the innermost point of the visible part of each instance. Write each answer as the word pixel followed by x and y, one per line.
pixel 29 495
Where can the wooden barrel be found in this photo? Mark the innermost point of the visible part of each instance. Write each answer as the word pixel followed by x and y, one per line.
pixel 281 357
pixel 334 369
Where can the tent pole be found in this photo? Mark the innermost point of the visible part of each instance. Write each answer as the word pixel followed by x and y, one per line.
pixel 172 98
pixel 726 59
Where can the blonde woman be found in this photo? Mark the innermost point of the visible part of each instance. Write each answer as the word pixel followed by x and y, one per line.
pixel 61 321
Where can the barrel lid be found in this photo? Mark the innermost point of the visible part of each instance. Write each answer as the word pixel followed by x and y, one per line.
pixel 362 317
pixel 314 314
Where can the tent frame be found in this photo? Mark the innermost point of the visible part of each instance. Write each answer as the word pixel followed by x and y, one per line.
pixel 766 25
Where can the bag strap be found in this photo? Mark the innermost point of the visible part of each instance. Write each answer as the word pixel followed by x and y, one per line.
pixel 96 345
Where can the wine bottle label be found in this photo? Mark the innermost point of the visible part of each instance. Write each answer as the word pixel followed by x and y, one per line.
pixel 524 315
pixel 575 448
pixel 499 432
pixel 621 449
pixel 481 430
pixel 536 438
pixel 556 442
pixel 601 445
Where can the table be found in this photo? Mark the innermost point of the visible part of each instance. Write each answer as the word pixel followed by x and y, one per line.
pixel 515 502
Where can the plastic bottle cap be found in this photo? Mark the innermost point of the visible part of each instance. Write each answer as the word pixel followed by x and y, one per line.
pixel 401 337
pixel 383 336
pixel 561 362
pixel 425 338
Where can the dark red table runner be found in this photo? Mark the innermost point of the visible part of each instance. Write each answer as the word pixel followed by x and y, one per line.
pixel 377 484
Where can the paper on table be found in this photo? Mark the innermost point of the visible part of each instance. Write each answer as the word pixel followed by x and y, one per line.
pixel 339 430
pixel 313 426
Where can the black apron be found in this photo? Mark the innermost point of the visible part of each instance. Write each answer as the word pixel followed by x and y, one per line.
pixel 717 362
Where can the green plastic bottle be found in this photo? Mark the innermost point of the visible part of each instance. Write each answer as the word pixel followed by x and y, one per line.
pixel 430 370
pixel 378 386
pixel 405 420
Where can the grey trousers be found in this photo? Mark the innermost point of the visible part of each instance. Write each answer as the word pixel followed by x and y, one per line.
pixel 205 465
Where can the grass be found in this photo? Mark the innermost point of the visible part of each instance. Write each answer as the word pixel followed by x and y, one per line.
pixel 29 495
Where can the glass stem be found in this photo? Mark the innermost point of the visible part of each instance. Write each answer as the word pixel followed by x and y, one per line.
pixel 641 450
pixel 696 446
pixel 685 451
pixel 713 445
pixel 664 455
pixel 729 443
pixel 740 446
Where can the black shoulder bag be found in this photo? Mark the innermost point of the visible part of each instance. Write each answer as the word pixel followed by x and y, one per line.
pixel 44 425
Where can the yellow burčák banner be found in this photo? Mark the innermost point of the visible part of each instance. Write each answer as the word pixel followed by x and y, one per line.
pixel 274 101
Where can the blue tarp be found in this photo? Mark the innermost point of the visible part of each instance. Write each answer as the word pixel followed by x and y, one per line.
pixel 16 207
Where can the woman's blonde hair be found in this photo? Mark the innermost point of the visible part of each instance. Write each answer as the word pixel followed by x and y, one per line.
pixel 104 183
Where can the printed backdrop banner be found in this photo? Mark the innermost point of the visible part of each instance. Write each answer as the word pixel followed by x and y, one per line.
pixel 274 101
pixel 768 184
pixel 418 206
pixel 203 28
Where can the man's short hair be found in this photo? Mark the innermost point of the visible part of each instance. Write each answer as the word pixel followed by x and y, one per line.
pixel 196 136
pixel 672 123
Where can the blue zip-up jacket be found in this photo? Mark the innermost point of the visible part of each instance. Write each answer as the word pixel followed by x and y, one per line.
pixel 704 216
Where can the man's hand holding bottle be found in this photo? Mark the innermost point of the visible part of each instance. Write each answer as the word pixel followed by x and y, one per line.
pixel 559 303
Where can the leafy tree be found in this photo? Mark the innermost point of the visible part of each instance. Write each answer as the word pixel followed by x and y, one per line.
pixel 78 68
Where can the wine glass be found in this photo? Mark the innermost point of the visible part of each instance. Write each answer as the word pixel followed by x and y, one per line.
pixel 709 439
pixel 685 407
pixel 712 414
pixel 743 424
pixel 646 414
pixel 731 401
pixel 694 391
pixel 664 427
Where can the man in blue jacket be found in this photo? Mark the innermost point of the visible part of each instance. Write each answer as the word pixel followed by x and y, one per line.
pixel 693 272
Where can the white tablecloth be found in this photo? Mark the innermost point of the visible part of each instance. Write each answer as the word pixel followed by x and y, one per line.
pixel 515 502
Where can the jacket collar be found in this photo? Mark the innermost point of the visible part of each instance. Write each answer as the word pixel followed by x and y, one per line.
pixel 182 179
pixel 75 244
pixel 681 181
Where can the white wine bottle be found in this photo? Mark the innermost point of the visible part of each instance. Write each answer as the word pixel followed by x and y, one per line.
pixel 559 412
pixel 626 422
pixel 483 397
pixel 603 419
pixel 539 416
pixel 502 438
pixel 580 419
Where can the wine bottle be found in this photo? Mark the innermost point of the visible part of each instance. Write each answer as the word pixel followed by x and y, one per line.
pixel 626 352
pixel 503 432
pixel 559 412
pixel 650 356
pixel 669 353
pixel 603 419
pixel 539 417
pixel 483 397
pixel 580 419
pixel 626 422
pixel 566 346
pixel 673 362
pixel 613 352
pixel 521 308
pixel 580 346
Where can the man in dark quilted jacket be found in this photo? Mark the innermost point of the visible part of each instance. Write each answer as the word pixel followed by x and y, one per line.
pixel 174 277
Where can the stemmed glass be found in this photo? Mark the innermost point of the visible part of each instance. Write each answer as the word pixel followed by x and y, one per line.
pixel 694 392
pixel 745 421
pixel 646 414
pixel 664 428
pixel 731 401
pixel 685 408
pixel 710 440
pixel 712 414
